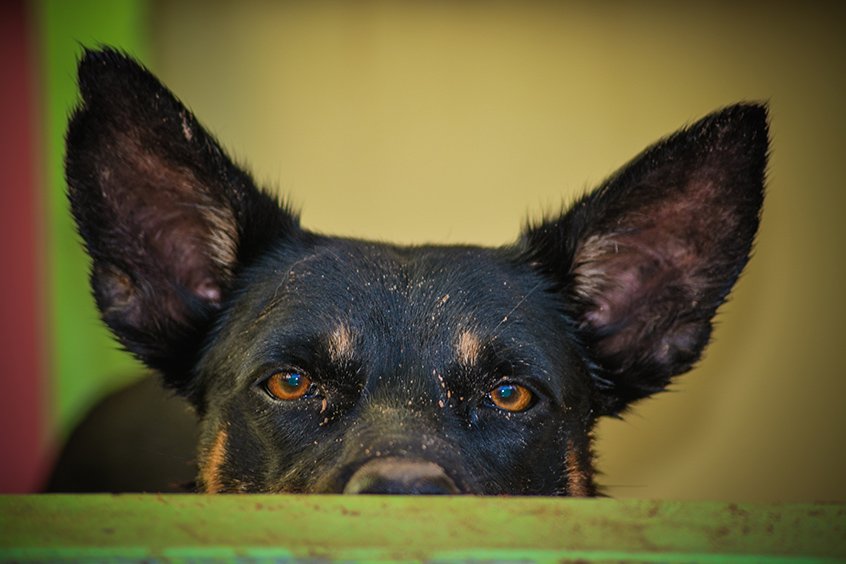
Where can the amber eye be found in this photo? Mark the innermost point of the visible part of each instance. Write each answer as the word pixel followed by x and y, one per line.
pixel 288 385
pixel 511 397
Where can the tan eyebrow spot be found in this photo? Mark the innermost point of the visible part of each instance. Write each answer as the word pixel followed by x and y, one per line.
pixel 578 483
pixel 210 474
pixel 468 349
pixel 340 344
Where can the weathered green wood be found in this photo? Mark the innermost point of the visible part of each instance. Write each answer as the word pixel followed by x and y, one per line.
pixel 367 528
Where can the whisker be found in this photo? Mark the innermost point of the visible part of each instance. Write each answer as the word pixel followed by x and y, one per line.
pixel 495 333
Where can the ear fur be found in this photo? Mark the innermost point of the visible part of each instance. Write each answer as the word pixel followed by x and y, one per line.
pixel 166 216
pixel 645 260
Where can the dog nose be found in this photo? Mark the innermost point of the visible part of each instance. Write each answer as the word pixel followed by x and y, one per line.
pixel 398 476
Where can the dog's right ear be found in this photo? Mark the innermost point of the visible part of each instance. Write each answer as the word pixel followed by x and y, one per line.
pixel 644 261
pixel 166 216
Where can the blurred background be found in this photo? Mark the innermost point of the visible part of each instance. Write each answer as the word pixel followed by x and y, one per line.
pixel 452 122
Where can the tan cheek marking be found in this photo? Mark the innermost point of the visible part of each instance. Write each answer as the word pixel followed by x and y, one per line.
pixel 214 460
pixel 578 483
pixel 468 348
pixel 340 344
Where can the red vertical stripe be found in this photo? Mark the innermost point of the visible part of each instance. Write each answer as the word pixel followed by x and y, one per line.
pixel 21 287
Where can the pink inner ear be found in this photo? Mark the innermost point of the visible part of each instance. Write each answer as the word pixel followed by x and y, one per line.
pixel 177 237
pixel 613 288
pixel 624 285
pixel 642 281
pixel 208 291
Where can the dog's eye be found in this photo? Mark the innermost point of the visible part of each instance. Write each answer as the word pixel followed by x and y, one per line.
pixel 288 385
pixel 511 397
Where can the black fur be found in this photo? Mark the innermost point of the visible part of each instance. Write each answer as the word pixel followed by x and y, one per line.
pixel 213 283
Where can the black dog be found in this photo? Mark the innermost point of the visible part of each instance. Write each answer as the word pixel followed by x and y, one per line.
pixel 325 364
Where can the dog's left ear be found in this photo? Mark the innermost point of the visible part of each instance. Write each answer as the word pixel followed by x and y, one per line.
pixel 168 219
pixel 646 259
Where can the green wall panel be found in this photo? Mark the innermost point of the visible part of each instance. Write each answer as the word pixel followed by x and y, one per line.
pixel 82 363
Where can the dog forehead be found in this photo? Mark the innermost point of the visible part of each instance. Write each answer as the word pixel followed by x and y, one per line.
pixel 436 295
pixel 399 312
pixel 345 277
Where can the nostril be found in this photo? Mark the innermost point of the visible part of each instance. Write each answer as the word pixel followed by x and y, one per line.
pixel 396 476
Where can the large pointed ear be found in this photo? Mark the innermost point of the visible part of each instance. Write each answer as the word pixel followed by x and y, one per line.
pixel 645 260
pixel 166 216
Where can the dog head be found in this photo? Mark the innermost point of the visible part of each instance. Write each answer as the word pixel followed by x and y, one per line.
pixel 325 364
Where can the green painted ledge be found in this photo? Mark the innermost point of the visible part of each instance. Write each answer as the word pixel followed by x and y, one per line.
pixel 369 528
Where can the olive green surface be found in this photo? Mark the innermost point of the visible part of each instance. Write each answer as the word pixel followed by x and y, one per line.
pixel 368 528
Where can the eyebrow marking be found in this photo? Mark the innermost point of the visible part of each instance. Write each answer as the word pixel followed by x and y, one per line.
pixel 340 344
pixel 214 460
pixel 468 348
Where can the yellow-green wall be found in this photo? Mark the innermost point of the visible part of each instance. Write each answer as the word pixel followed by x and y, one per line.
pixel 451 122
